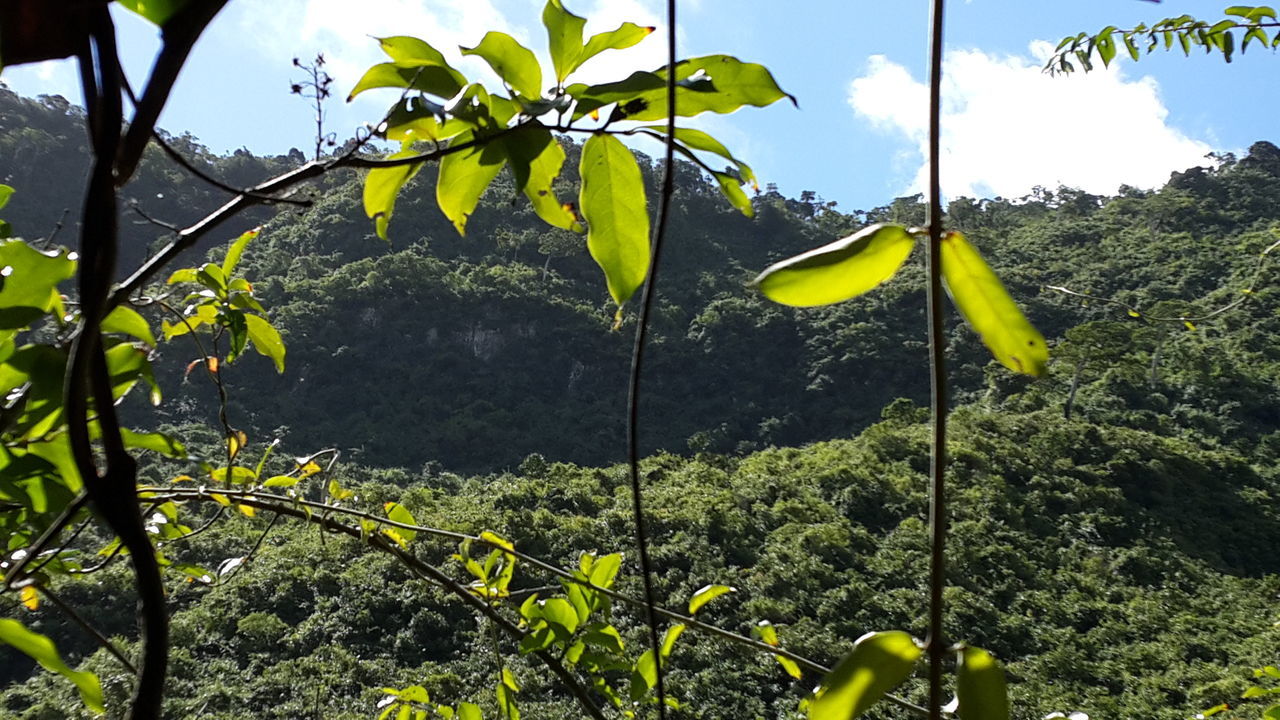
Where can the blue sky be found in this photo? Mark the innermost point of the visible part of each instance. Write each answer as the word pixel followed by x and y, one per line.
pixel 857 68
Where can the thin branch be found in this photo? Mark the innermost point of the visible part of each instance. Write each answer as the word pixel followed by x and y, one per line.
pixel 88 628
pixel 935 643
pixel 637 366
pixel 282 504
pixel 42 543
pixel 191 167
pixel 133 205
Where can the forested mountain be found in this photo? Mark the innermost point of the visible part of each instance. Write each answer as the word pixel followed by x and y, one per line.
pixel 1116 528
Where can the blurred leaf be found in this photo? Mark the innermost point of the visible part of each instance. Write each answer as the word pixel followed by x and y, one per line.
pixel 464 175
pixel 6 192
pixel 468 711
pixel 1271 713
pixel 126 321
pixel 382 187
pixel 987 307
pixel 612 200
pixel 513 62
pixel 155 442
pixel 281 481
pixel 878 663
pixel 840 270
pixel 669 640
pixel 789 666
pixel 29 598
pixel 706 594
pixel 980 686
pixel 42 650
pixel 30 283
pixel 157 11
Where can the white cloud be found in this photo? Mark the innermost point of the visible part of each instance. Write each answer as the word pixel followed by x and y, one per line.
pixel 1008 127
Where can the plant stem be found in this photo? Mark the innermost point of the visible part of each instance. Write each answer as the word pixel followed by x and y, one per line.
pixel 936 643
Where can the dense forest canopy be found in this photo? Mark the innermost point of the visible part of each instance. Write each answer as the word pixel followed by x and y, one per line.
pixel 1116 543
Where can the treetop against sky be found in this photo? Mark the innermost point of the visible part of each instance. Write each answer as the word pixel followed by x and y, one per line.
pixel 857 69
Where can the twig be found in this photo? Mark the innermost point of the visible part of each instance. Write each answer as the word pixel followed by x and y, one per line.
pixel 191 167
pixel 84 625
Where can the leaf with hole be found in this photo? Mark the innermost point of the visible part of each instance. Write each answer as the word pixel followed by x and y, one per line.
pixel 612 200
pixel 840 270
pixel 989 310
pixel 879 662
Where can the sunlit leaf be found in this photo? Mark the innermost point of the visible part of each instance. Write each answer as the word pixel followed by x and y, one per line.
pixel 157 11
pixel 6 192
pixel 564 36
pixel 789 666
pixel 382 187
pixel 560 613
pixel 627 34
pixel 155 442
pixel 987 307
pixel 464 175
pixel 644 675
pixel 699 140
pixel 30 283
pixel 605 569
pixel 443 82
pixel 125 320
pixel 731 188
pixel 706 594
pixel 536 158
pixel 840 270
pixel 29 597
pixel 468 711
pixel 980 686
pixel 42 650
pixel 281 481
pixel 1271 713
pixel 513 62
pixel 266 339
pixel 401 514
pixel 612 200
pixel 878 663
pixel 714 83
pixel 236 250
pixel 669 640
pixel 247 510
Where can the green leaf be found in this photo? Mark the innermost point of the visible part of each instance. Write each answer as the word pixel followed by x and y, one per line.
pixel 713 83
pixel 236 250
pixel 669 640
pixel 155 442
pixel 706 594
pixel 401 514
pixel 560 613
pixel 469 711
pixel 536 158
pixel 266 339
pixel 513 62
pixel 31 280
pixel 42 650
pixel 443 82
pixel 382 187
pixel 699 140
pixel 840 270
pixel 980 686
pixel 564 37
pixel 282 481
pixel 1271 713
pixel 625 36
pixel 644 675
pixel 612 200
pixel 987 307
pixel 126 321
pixel 507 700
pixel 878 663
pixel 789 666
pixel 766 632
pixel 731 188
pixel 157 11
pixel 464 175
pixel 605 569
pixel 6 192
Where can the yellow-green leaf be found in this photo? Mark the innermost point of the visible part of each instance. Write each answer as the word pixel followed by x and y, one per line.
pixel 706 594
pixel 266 339
pixel 987 307
pixel 731 188
pixel 840 270
pixel 236 250
pixel 878 663
pixel 513 62
pixel 627 34
pixel 669 640
pixel 42 650
pixel 564 37
pixel 157 11
pixel 401 514
pixel 382 186
pixel 980 686
pixel 536 158
pixel 612 200
pixel 125 320
pixel 790 666
pixel 441 81
pixel 464 175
